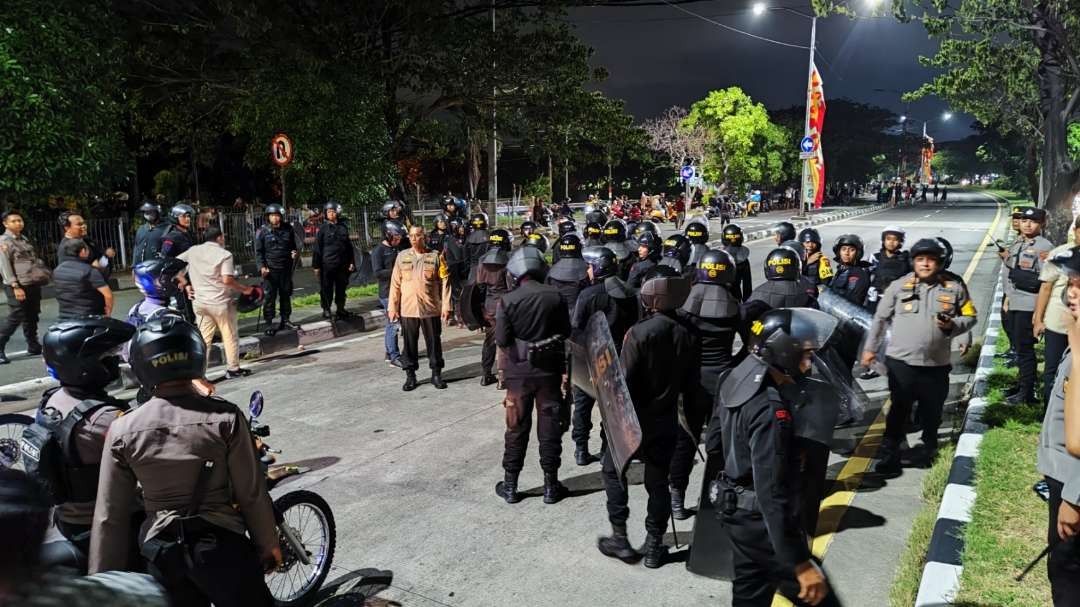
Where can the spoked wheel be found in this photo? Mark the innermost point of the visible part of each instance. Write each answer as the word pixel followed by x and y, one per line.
pixel 307 532
pixel 11 431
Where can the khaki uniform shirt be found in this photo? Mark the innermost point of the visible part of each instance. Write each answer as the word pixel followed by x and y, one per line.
pixel 419 285
pixel 1029 254
pixel 1054 459
pixel 1055 308
pixel 162 446
pixel 17 259
pixel 911 306
pixel 208 264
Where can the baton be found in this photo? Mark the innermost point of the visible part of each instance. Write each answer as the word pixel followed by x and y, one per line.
pixel 675 532
pixel 1032 564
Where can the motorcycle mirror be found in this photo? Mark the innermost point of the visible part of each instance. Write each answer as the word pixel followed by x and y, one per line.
pixel 256 404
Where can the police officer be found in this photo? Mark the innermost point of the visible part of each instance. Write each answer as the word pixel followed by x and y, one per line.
pixel 450 208
pixel 491 275
pixel 419 297
pixel 594 213
pixel 733 244
pixel 817 268
pixel 614 238
pixel 926 311
pixel 204 488
pixel 1009 355
pixel 660 357
pixel 697 232
pixel 784 286
pixel 889 264
pixel 84 356
pixel 593 233
pixel 152 215
pixel 783 232
pixel 607 293
pixel 457 261
pixel 395 210
pixel 648 254
pixel 173 237
pixel 530 325
pixel 852 278
pixel 570 274
pixel 1024 259
pixel 439 225
pixel 383 257
pixel 524 230
pixel 24 274
pixel 757 493
pixel 476 243
pixel 538 241
pixel 333 260
pixel 676 254
pixel 713 312
pixel 275 253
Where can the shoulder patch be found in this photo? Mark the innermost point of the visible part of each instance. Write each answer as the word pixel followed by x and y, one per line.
pixel 783 416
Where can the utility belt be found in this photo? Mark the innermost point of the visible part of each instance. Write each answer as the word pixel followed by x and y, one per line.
pixel 1024 280
pixel 546 355
pixel 728 496
pixel 169 551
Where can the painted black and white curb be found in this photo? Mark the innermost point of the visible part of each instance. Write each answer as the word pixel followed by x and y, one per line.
pixel 944 557
pixel 805 223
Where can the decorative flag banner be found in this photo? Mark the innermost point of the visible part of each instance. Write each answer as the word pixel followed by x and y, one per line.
pixel 814 169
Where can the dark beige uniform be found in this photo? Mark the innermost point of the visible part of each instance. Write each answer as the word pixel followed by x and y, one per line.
pixel 20 266
pixel 162 446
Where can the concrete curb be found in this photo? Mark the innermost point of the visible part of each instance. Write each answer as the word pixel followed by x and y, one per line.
pixel 944 557
pixel 829 218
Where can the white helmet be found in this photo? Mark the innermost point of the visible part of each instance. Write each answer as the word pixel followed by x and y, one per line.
pixel 893 230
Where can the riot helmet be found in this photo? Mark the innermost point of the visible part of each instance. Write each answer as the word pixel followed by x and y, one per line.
pixel 733 235
pixel 664 293
pixel 614 231
pixel 441 223
pixel 895 231
pixel 780 337
pixel 810 235
pixel 716 267
pixel 457 226
pixel 527 261
pixel 392 206
pixel 537 241
pixel 449 205
pixel 697 231
pixel 527 227
pixel 478 221
pixel 602 261
pixel 849 240
pixel 784 231
pixel 677 247
pixel 86 352
pixel 332 205
pixel 931 247
pixel 593 230
pixel 499 239
pixel 646 226
pixel 652 242
pixel 151 212
pixel 156 277
pixel 566 226
pixel 569 246
pixel 179 210
pixel 391 228
pixel 783 263
pixel 167 348
pixel 274 208
pixel 947 261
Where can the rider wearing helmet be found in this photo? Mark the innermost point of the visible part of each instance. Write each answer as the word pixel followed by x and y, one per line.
pixel 383 257
pixel 275 254
pixel 889 264
pixel 152 215
pixel 784 286
pixel 648 254
pixel 817 268
pixel 492 277
pixel 660 358
pixel 210 451
pixel 333 260
pixel 733 243
pixel 156 279
pixel 676 253
pixel 753 430
pixel 852 278
pixel 570 274
pixel 533 313
pixel 476 243
pixel 524 230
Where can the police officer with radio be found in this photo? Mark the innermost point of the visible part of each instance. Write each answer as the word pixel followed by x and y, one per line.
pixel 333 260
pixel 204 488
pixel 648 254
pixel 784 286
pixel 531 324
pixel 889 264
pixel 1024 260
pixel 817 268
pixel 152 215
pixel 733 244
pixel 758 491
pixel 712 310
pixel 73 419
pixel 607 293
pixel 926 311
pixel 275 253
pixel 476 243
pixel 660 357
pixel 491 275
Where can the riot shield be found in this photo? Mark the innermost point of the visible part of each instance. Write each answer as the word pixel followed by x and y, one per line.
pixel 579 368
pixel 710 546
pixel 855 322
pixel 621 425
pixel 850 399
pixel 471 306
pixel 364 274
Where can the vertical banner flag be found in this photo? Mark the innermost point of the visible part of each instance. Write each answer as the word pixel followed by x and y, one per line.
pixel 927 157
pixel 814 170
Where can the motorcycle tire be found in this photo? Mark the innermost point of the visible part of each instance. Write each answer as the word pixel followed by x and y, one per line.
pixel 321 562
pixel 11 431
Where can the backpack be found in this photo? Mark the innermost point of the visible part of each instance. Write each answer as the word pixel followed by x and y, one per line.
pixel 50 456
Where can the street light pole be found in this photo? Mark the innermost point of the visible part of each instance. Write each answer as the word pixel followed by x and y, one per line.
pixel 804 206
pixel 493 142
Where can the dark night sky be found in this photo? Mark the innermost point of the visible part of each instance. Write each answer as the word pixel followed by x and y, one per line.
pixel 657 57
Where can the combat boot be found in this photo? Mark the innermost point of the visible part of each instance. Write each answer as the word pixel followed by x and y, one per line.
pixel 554 491
pixel 654 550
pixel 437 380
pixel 888 459
pixel 617 545
pixel 678 508
pixel 488 379
pixel 582 456
pixel 410 381
pixel 507 488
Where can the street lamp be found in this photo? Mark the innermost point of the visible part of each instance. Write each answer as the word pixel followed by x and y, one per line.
pixel 946 116
pixel 759 8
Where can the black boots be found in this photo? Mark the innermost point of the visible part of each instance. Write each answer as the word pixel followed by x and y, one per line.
pixel 507 488
pixel 888 458
pixel 488 379
pixel 654 551
pixel 554 491
pixel 582 456
pixel 410 381
pixel 678 508
pixel 617 545
pixel 437 380
pixel 326 313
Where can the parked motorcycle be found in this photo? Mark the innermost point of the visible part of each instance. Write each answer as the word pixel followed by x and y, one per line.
pixel 11 431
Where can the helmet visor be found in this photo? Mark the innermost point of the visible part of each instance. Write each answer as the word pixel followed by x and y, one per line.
pixel 811 328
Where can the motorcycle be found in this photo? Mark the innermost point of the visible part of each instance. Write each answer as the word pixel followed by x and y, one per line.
pixel 306 527
pixel 11 431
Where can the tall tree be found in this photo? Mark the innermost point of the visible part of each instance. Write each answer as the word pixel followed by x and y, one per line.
pixel 671 136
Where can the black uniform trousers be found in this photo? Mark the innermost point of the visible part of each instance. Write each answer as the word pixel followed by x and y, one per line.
pixel 1023 340
pixel 658 508
pixel 686 446
pixel 410 336
pixel 487 353
pixel 581 418
pixel 332 285
pixel 224 570
pixel 1055 344
pixel 543 393
pixel 23 313
pixel 758 575
pixel 929 386
pixel 1063 566
pixel 278 285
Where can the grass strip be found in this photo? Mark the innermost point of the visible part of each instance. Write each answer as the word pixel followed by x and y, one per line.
pixel 307 301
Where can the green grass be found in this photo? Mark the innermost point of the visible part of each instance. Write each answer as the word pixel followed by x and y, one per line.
pixel 905 584
pixel 307 301
pixel 1013 198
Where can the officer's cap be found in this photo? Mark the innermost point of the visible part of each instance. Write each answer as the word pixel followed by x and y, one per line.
pixel 1034 214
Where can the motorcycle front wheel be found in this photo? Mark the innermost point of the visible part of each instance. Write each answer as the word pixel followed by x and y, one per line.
pixel 307 532
pixel 11 431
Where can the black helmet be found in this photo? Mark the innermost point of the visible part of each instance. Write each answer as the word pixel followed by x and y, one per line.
pixel 895 231
pixel 566 226
pixel 252 301
pixel 783 263
pixel 716 267
pixel 149 208
pixel 180 210
pixel 478 221
pixel 784 230
pixel 733 235
pixel 948 253
pixel 569 246
pixel 274 208
pixel 155 277
pixel 677 247
pixel 614 231
pixel 810 235
pixel 435 240
pixel 645 226
pixel 455 224
pixel 593 230
pixel 537 241
pixel 448 202
pixel 931 247
pixel 392 227
pixel 697 231
pixel 849 240
pixel 390 205
pixel 440 218
pixel 527 261
pixel 653 242
pixel 499 239
pixel 167 348
pixel 779 337
pixel 602 261
pixel 332 205
pixel 527 227
pixel 664 293
pixel 1068 262
pixel 86 352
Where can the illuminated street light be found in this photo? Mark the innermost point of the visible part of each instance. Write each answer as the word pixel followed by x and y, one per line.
pixel 759 8
pixel 903 119
pixel 946 116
